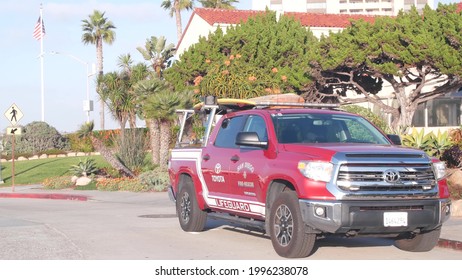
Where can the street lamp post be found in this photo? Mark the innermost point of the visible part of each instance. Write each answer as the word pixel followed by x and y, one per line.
pixel 87 104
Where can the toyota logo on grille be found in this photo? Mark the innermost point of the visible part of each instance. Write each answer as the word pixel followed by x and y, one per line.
pixel 391 176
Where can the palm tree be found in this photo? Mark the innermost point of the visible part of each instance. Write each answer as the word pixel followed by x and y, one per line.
pixel 86 130
pixel 219 4
pixel 162 108
pixel 117 89
pixel 96 30
pixel 144 90
pixel 175 7
pixel 157 53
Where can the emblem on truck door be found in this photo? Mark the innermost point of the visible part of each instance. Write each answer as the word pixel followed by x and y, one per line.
pixel 391 176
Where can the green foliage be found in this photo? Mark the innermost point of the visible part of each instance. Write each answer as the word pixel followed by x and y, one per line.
pixel 36 138
pixel 440 143
pixel 416 47
pixel 369 115
pixel 120 184
pixel 432 144
pixel 57 183
pixel 80 144
pixel 158 53
pixel 241 62
pixel 156 180
pixel 131 149
pixel 85 167
pixel 90 187
pixel 417 139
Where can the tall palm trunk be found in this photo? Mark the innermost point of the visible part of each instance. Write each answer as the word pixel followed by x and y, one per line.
pixel 99 58
pixel 154 138
pixel 164 143
pixel 179 28
pixel 110 158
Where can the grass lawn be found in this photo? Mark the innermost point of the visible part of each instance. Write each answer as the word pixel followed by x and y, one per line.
pixel 35 171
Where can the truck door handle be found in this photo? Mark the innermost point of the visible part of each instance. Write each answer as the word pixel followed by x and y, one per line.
pixel 206 157
pixel 234 158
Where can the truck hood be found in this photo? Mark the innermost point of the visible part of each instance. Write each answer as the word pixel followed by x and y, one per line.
pixel 326 151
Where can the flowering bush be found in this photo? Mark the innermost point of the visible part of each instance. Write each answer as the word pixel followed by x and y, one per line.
pixel 156 180
pixel 57 183
pixel 121 184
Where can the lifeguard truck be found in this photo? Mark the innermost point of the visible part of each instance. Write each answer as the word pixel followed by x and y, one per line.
pixel 300 171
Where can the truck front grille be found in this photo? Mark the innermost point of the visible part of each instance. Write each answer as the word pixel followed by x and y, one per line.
pixel 386 179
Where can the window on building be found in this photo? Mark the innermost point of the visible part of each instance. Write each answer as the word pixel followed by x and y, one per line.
pixel 445 112
pixel 440 112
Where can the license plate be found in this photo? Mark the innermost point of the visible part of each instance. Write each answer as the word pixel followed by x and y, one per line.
pixel 395 219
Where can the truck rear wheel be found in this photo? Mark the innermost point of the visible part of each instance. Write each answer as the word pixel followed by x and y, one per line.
pixel 422 242
pixel 191 217
pixel 286 228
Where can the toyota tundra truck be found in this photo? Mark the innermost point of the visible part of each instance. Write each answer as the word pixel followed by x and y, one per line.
pixel 302 171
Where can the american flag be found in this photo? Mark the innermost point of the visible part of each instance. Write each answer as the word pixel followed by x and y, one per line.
pixel 39 30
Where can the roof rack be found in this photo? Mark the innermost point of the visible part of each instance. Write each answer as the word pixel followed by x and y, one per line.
pixel 263 105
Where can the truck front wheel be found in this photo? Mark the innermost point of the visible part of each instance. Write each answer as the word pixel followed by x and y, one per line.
pixel 286 228
pixel 422 242
pixel 191 217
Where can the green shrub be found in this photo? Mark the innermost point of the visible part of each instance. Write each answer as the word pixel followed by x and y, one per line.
pixel 57 183
pixel 36 138
pixel 131 149
pixel 433 145
pixel 85 167
pixel 53 152
pixel 119 184
pixel 155 180
pixel 80 144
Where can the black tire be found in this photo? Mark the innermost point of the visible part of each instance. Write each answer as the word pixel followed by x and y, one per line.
pixel 191 217
pixel 286 228
pixel 422 242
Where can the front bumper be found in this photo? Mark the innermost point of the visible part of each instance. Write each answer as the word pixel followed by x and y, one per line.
pixel 367 217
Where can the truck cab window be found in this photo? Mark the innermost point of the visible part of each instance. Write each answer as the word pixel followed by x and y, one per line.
pixel 229 128
pixel 256 124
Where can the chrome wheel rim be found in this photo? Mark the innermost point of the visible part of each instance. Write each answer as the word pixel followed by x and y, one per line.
pixel 185 207
pixel 283 225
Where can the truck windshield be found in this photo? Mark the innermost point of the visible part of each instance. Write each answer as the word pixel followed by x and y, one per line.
pixel 325 128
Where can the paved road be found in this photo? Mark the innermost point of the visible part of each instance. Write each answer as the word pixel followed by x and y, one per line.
pixel 132 226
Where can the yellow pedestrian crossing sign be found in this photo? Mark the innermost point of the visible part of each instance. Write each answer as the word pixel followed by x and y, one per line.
pixel 13 114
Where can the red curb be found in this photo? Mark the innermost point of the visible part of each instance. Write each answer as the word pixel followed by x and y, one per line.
pixel 451 244
pixel 44 196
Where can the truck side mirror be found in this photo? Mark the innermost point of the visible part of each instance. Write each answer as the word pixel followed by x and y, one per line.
pixel 395 139
pixel 250 139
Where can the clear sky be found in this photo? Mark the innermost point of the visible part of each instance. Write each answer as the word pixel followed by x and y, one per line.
pixel 65 77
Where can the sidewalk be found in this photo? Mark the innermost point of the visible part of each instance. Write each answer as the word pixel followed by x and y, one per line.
pixel 451 233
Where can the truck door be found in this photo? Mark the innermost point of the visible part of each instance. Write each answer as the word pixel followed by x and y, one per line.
pixel 246 165
pixel 217 157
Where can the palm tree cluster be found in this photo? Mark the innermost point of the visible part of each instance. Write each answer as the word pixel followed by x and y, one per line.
pixel 139 90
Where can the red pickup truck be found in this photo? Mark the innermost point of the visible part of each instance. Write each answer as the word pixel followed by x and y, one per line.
pixel 301 173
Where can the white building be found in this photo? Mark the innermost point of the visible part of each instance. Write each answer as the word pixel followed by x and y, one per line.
pixel 364 7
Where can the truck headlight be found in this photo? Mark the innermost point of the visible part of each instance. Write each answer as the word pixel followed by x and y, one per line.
pixel 440 169
pixel 316 170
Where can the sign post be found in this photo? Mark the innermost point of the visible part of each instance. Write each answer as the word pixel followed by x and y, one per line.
pixel 13 115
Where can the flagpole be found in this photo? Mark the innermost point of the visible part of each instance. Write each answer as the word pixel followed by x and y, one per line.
pixel 42 88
